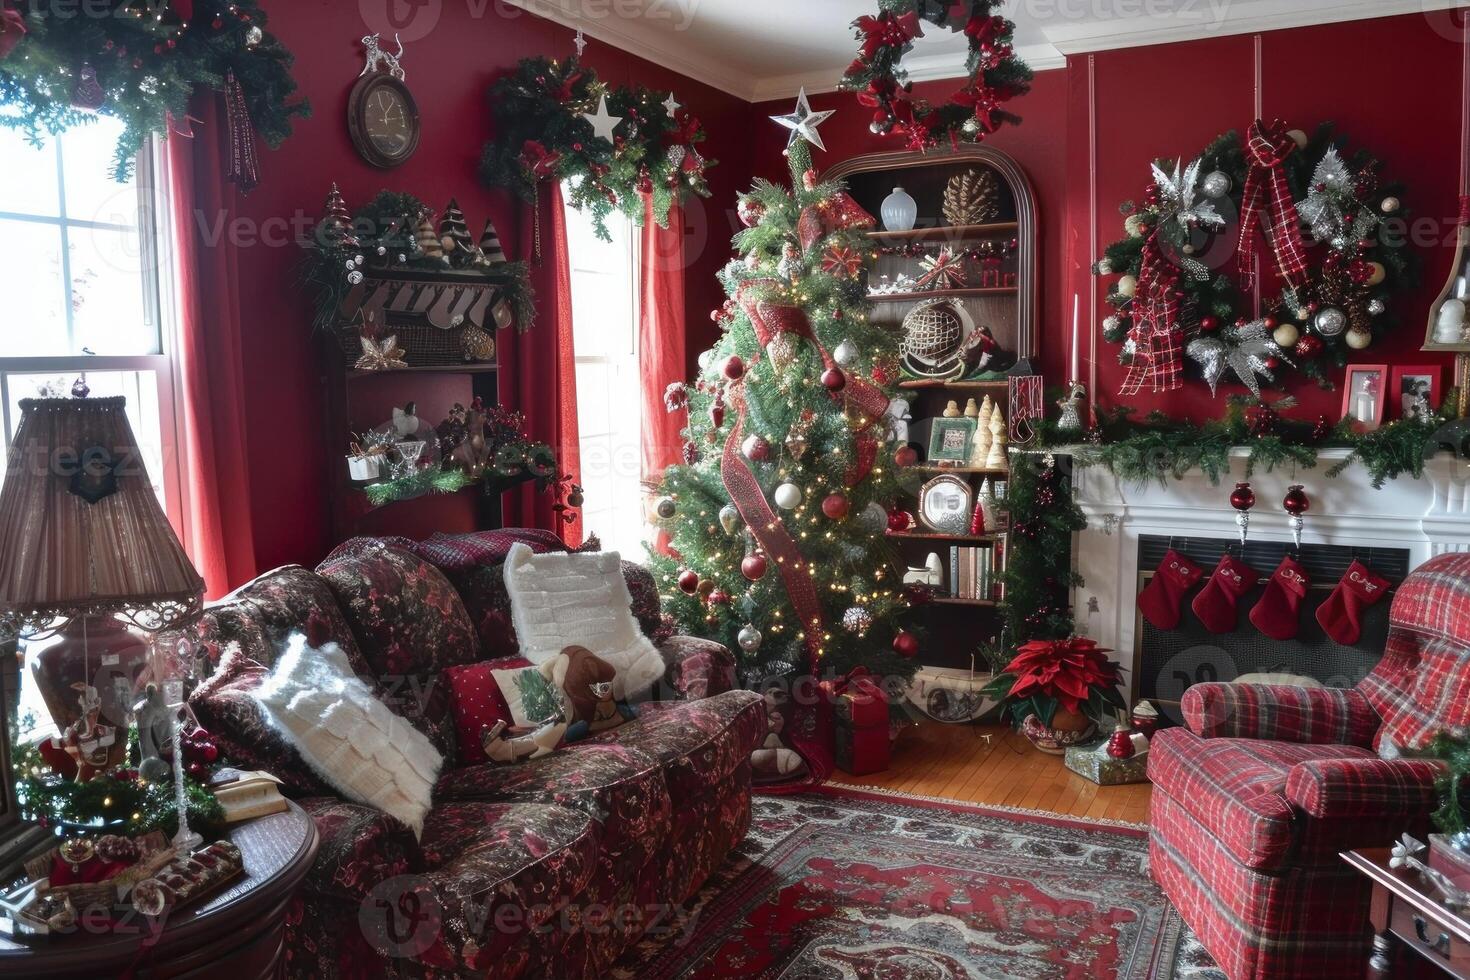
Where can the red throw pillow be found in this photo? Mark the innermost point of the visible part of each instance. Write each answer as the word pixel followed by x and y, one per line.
pixel 476 698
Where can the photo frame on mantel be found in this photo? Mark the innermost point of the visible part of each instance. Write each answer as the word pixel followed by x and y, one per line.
pixel 1365 393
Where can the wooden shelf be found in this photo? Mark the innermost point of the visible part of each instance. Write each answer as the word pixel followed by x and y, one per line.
pixel 949 600
pixel 955 538
pixel 948 233
pixel 944 294
pixel 921 384
pixel 429 369
pixel 974 470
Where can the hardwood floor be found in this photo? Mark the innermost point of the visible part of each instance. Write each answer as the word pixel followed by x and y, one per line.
pixel 955 762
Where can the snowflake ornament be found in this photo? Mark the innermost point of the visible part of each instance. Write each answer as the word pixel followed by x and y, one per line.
pixel 1181 200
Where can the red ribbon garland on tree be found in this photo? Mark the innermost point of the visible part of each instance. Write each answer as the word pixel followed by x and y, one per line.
pixel 1158 343
pixel 1266 196
pixel 12 29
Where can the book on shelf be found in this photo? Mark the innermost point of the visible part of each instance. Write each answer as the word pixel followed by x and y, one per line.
pixel 972 572
pixel 1000 550
pixel 246 795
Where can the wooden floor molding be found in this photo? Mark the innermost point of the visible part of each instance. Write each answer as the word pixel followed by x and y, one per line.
pixel 954 762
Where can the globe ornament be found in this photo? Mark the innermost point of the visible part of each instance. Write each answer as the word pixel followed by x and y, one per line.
pixel 1330 321
pixel 846 354
pixel 934 333
pixel 1216 184
pixel 749 639
pixel 857 621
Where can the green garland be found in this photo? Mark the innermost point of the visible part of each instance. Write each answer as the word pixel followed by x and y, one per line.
pixel 1038 578
pixel 113 802
pixel 1454 807
pixel 148 63
pixel 1211 299
pixel 541 134
pixel 384 228
pixel 1160 448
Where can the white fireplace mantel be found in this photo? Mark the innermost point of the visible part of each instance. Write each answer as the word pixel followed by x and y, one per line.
pixel 1428 516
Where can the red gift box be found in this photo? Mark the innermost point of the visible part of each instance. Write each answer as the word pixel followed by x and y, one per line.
pixel 860 721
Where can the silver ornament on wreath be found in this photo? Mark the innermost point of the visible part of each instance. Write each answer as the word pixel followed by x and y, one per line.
pixel 857 620
pixel 1245 350
pixel 1216 184
pixel 1330 321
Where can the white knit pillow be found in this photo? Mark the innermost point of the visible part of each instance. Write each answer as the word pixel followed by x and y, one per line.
pixel 348 737
pixel 559 600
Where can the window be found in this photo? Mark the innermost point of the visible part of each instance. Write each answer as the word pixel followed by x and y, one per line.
pixel 605 331
pixel 82 260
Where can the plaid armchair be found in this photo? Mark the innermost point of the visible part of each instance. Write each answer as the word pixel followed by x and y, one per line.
pixel 1264 786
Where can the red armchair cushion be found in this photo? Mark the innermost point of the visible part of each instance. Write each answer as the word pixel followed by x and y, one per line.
pixel 1237 788
pixel 1352 789
pixel 1325 716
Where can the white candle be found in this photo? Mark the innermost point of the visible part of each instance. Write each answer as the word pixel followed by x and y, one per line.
pixel 1076 312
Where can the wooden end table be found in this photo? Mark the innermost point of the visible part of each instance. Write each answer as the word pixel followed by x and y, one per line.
pixel 1405 913
pixel 239 933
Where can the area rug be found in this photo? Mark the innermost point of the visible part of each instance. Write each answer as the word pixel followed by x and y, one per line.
pixel 849 884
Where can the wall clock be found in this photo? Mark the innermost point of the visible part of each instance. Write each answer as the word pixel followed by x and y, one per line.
pixel 383 120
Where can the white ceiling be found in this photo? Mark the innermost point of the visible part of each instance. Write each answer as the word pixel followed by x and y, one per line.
pixel 767 49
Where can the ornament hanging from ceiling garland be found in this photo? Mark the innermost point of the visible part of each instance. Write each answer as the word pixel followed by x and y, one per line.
pixel 1186 265
pixel 141 63
pixel 995 75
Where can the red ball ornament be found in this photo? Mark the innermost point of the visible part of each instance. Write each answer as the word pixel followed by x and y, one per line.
pixel 734 368
pixel 756 449
pixel 836 506
pixel 1209 324
pixel 906 645
pixel 906 456
pixel 717 415
pixel 754 567
pixel 1242 498
pixel 1272 363
pixel 833 379
pixel 1296 502
pixel 1308 347
pixel 899 521
pixel 689 581
pixel 719 597
pixel 1269 322
pixel 750 211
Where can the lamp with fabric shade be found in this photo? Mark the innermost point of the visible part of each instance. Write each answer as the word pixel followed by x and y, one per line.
pixel 83 540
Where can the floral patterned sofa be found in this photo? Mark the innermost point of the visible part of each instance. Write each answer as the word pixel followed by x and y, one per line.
pixel 549 868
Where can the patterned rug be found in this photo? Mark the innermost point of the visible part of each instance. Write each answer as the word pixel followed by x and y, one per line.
pixel 847 884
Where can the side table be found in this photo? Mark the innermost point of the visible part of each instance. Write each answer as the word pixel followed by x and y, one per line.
pixel 1405 914
pixel 239 933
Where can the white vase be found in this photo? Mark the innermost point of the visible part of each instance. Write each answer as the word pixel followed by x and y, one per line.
pixel 900 211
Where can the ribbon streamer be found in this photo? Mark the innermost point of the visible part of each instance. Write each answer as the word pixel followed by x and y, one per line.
pixel 1158 355
pixel 1267 202
pixel 244 169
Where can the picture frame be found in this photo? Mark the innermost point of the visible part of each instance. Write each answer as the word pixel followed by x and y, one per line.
pixel 950 440
pixel 945 505
pixel 1364 395
pixel 1414 385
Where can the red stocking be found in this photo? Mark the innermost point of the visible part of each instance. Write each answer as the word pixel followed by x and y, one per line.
pixel 1341 615
pixel 1216 604
pixel 1162 600
pixel 1276 613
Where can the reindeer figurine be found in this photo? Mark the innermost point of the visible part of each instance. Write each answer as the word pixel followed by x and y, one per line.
pixel 377 58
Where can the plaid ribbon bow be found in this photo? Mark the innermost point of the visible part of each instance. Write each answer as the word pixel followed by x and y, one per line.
pixel 1158 343
pixel 1266 147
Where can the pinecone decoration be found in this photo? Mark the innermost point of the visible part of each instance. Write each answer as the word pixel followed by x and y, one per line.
pixel 336 227
pixel 477 345
pixel 427 239
pixel 972 198
pixel 454 236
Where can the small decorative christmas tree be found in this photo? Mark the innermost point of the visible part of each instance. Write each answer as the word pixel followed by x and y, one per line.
pixel 777 517
pixel 454 235
pixel 490 247
pixel 336 227
pixel 427 238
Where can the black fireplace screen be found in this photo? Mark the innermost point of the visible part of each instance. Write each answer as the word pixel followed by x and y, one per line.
pixel 1168 662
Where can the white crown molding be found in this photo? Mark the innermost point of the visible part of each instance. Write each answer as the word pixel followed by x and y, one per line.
pixel 1041 57
pixel 649 43
pixel 1222 18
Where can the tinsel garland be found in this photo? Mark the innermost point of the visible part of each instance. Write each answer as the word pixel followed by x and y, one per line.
pixel 139 61
pixel 1347 206
pixel 541 133
pixel 1038 579
pixel 115 802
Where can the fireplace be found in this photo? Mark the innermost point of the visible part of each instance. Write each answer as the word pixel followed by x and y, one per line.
pixel 1167 662
pixel 1395 528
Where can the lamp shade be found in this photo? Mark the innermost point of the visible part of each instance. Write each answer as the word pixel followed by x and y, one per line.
pixel 81 531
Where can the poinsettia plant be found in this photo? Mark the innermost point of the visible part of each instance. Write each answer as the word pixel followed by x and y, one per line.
pixel 1046 675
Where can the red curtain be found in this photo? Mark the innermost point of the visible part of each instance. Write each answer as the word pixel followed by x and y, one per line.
pixel 661 338
pixel 538 373
pixel 217 531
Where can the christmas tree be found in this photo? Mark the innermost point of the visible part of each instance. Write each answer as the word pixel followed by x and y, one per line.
pixel 776 519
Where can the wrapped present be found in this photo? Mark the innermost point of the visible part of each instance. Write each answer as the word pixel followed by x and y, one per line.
pixel 860 722
pixel 1092 761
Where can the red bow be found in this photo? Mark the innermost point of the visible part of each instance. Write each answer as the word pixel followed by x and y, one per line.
pixel 985 29
pixel 888 31
pixel 1158 352
pixel 1267 202
pixel 564 94
pixel 983 101
pixel 686 128
pixel 12 29
pixel 538 159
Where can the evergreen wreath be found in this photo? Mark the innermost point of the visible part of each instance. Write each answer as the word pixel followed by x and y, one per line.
pixel 995 74
pixel 139 61
pixel 1336 236
pixel 541 133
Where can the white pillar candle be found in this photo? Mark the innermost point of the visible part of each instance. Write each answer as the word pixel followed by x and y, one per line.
pixel 1076 311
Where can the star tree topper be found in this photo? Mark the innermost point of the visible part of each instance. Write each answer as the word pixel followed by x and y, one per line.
pixel 603 124
pixel 804 122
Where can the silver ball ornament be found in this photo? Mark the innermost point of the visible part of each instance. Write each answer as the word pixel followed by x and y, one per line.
pixel 787 496
pixel 254 35
pixel 1389 205
pixel 846 354
pixel 1377 307
pixel 1112 323
pixel 730 519
pixel 382 250
pixel 749 639
pixel 1216 184
pixel 354 278
pixel 857 620
pixel 1330 321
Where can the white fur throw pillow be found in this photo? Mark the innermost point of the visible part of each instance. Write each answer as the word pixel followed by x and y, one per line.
pixel 350 738
pixel 559 600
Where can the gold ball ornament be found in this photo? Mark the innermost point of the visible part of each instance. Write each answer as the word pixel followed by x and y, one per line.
pixel 1389 205
pixel 1358 339
pixel 1286 335
pixel 1133 225
pixel 1379 273
pixel 1299 138
pixel 1128 286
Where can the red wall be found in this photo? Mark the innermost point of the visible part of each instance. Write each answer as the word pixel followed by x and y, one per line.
pixel 449 70
pixel 1168 100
